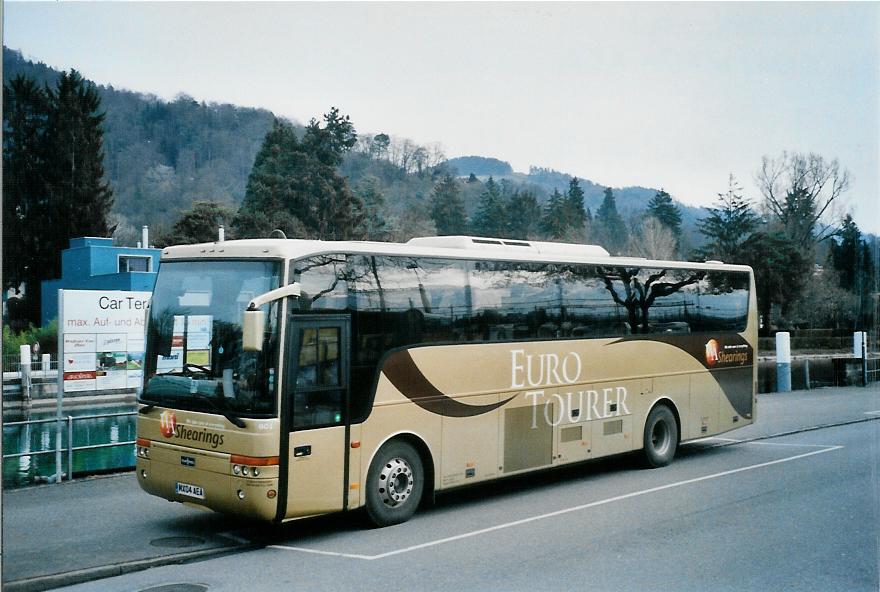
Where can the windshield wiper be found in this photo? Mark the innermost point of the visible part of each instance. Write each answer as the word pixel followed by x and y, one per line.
pixel 237 421
pixel 187 370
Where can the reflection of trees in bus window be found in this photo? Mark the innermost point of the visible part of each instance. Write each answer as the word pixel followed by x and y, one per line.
pixel 324 282
pixel 586 309
pixel 509 300
pixel 724 301
pixel 652 296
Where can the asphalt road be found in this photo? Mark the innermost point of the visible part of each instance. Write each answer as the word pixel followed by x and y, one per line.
pixel 795 512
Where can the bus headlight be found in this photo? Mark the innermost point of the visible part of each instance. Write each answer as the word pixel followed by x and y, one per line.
pixel 236 470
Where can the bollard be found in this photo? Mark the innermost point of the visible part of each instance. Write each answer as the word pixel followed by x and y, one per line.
pixel 860 351
pixel 783 362
pixel 807 373
pixel 24 369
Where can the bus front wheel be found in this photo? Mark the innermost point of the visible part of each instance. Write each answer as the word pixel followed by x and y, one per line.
pixel 394 484
pixel 661 437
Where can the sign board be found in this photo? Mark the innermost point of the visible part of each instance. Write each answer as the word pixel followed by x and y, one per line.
pixel 101 339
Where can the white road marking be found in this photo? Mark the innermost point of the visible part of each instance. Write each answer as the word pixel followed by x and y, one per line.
pixel 762 443
pixel 872 412
pixel 712 438
pixel 609 500
pixel 319 552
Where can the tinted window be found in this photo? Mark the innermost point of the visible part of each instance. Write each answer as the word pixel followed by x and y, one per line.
pixel 323 280
pixel 403 301
pixel 724 301
pixel 317 397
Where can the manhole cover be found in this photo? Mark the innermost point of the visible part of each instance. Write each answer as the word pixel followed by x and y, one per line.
pixel 177 588
pixel 178 542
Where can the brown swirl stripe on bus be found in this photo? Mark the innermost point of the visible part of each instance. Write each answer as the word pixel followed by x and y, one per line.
pixel 406 377
pixel 735 381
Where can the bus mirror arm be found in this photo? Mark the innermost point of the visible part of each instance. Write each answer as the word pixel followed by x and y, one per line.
pixel 254 322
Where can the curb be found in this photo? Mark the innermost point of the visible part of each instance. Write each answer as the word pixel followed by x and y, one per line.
pixel 799 431
pixel 81 576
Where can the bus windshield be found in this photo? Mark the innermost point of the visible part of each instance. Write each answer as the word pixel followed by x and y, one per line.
pixel 194 356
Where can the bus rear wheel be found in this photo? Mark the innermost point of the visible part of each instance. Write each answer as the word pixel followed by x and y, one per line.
pixel 395 484
pixel 661 437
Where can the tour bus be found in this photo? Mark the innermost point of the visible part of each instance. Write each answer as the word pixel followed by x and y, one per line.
pixel 291 378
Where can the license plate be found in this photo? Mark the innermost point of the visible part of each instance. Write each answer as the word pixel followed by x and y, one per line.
pixel 189 490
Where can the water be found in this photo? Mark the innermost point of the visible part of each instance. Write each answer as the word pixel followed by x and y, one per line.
pixel 27 470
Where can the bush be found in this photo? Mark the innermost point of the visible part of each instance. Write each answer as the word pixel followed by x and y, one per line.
pixel 47 337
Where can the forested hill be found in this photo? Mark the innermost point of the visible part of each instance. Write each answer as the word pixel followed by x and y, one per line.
pixel 161 156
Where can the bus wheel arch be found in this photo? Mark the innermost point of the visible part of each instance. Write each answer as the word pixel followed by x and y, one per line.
pixel 400 478
pixel 662 434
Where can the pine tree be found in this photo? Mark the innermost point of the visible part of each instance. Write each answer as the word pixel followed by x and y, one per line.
pixel 575 213
pixel 80 193
pixel 275 197
pixel 26 209
pixel 781 271
pixel 554 223
pixel 491 216
pixel 609 227
pixel 55 159
pixel 447 207
pixel 375 226
pixel 850 256
pixel 523 215
pixel 294 185
pixel 662 207
pixel 200 224
pixel 728 224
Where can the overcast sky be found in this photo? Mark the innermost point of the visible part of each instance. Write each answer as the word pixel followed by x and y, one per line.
pixel 671 95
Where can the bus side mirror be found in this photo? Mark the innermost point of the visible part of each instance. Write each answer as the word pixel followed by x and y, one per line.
pixel 252 330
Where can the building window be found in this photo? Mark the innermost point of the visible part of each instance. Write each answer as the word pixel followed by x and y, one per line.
pixel 129 263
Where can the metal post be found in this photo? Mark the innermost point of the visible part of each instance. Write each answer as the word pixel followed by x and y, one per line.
pixel 783 362
pixel 69 448
pixel 24 370
pixel 60 395
pixel 807 373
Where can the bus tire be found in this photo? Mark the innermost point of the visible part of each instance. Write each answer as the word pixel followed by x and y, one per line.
pixel 661 437
pixel 395 484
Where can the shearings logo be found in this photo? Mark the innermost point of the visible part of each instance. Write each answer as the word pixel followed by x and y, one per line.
pixel 726 355
pixel 170 429
pixel 167 423
pixel 712 352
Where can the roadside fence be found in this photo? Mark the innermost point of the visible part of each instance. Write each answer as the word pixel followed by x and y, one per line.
pixel 63 444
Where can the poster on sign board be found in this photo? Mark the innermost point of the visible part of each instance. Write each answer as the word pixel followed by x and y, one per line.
pixel 101 339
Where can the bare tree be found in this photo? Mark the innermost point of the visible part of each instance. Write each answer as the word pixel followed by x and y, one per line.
pixel 654 240
pixel 802 191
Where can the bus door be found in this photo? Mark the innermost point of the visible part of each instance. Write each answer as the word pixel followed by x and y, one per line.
pixel 317 413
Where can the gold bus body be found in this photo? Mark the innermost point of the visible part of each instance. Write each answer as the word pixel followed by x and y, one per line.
pixel 525 423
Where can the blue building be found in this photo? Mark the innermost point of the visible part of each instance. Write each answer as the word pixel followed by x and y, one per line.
pixel 95 264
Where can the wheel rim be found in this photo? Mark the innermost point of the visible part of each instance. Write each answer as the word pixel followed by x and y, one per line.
pixel 660 437
pixel 395 482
